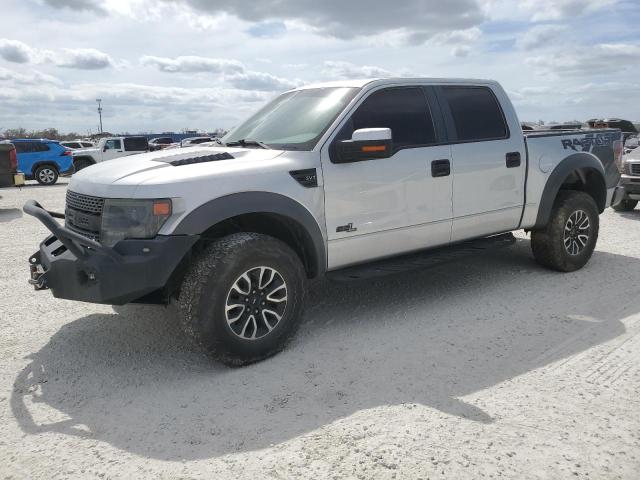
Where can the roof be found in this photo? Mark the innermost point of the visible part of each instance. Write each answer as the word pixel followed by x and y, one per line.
pixel 33 140
pixel 360 83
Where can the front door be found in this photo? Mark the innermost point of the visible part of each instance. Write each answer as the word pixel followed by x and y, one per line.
pixel 112 149
pixel 381 207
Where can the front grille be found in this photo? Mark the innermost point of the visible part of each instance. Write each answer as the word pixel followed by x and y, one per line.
pixel 83 214
pixel 85 203
pixel 634 168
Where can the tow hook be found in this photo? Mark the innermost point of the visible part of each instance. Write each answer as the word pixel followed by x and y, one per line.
pixel 38 278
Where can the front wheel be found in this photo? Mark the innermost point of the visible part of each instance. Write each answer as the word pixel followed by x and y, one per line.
pixel 241 298
pixel 567 242
pixel 625 205
pixel 46 175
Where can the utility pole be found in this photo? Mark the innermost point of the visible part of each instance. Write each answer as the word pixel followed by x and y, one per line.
pixel 99 100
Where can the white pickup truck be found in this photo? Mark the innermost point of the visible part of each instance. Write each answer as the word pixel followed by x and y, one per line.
pixel 349 180
pixel 109 148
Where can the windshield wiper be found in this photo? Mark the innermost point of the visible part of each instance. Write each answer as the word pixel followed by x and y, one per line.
pixel 245 142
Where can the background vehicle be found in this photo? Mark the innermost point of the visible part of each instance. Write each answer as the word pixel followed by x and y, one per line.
pixel 631 144
pixel 565 126
pixel 43 160
pixel 630 181
pixel 195 141
pixel 349 180
pixel 160 143
pixel 628 128
pixel 75 144
pixel 9 175
pixel 109 148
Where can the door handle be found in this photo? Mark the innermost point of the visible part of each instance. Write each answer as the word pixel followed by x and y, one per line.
pixel 440 168
pixel 513 159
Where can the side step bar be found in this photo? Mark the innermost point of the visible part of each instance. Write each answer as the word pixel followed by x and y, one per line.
pixel 421 260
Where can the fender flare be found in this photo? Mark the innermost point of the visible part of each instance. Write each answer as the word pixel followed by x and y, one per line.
pixel 228 206
pixel 578 161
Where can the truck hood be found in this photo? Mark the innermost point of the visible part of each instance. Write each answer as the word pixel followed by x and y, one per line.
pixel 169 166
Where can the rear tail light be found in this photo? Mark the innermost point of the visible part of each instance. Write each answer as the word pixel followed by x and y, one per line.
pixel 618 150
pixel 13 160
pixel 67 151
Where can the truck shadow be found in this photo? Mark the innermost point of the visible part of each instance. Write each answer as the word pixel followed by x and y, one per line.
pixel 429 338
pixel 633 214
pixel 9 214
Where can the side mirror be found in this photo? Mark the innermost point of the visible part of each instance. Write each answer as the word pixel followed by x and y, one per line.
pixel 104 149
pixel 365 144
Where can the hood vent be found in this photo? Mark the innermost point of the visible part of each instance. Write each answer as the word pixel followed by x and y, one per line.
pixel 178 162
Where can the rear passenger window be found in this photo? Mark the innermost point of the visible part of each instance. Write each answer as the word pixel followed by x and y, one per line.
pixel 404 110
pixel 136 144
pixel 41 147
pixel 476 113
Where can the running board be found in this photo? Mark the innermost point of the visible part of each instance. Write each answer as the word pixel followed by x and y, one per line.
pixel 421 260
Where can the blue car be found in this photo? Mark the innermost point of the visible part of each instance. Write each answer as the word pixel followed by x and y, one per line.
pixel 43 160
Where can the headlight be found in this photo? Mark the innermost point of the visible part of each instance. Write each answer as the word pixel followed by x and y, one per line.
pixel 130 218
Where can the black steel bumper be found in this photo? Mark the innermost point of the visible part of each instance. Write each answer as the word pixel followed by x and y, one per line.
pixel 77 268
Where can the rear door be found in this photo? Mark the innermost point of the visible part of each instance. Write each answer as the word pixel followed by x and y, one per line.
pixel 381 207
pixel 489 161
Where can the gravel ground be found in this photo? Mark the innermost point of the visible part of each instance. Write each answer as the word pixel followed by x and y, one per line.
pixel 484 368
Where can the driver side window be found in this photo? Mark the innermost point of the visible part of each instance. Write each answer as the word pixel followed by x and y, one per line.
pixel 404 110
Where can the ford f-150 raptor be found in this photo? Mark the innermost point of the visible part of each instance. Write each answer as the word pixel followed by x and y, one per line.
pixel 332 179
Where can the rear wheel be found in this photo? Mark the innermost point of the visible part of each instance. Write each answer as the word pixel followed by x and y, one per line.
pixel 626 205
pixel 241 299
pixel 46 175
pixel 567 242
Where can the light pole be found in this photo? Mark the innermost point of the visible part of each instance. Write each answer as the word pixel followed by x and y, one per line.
pixel 99 100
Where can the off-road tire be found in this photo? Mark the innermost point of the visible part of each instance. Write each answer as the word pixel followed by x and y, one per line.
pixel 626 205
pixel 46 175
pixel 548 243
pixel 208 283
pixel 81 164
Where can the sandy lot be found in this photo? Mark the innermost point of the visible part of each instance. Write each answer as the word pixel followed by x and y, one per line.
pixel 489 367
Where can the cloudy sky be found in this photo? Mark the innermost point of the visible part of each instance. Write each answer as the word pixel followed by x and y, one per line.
pixel 200 64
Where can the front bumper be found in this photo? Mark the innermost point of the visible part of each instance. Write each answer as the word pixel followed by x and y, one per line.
pixel 77 268
pixel 631 186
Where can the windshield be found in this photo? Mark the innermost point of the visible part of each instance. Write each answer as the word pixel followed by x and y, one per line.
pixel 294 120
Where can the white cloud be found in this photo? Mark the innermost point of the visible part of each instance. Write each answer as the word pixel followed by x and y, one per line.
pixel 83 59
pixel 15 51
pixel 346 70
pixel 78 58
pixel 609 59
pixel 77 5
pixel 543 10
pixel 250 80
pixel 193 64
pixel 559 9
pixel 33 78
pixel 541 36
pixel 417 19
